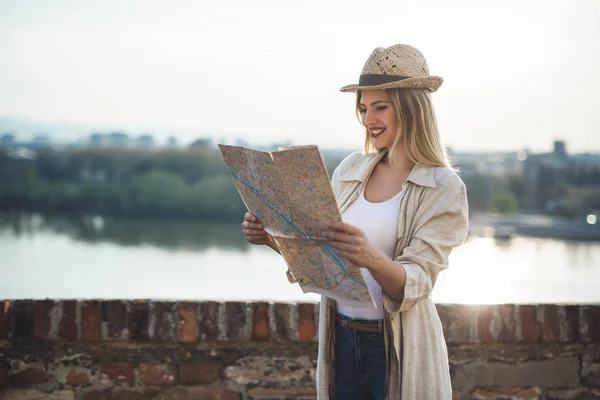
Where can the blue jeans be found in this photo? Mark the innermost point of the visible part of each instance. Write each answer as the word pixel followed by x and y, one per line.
pixel 359 362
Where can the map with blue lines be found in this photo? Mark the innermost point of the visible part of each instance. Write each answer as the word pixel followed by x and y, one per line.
pixel 290 192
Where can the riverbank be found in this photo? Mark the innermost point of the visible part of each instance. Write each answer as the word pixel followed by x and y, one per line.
pixel 533 225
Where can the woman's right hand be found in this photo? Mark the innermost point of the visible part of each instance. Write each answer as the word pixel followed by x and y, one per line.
pixel 255 233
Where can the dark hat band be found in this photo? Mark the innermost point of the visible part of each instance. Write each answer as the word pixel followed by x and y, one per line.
pixel 376 79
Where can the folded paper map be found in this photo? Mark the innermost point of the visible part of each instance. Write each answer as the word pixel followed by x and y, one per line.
pixel 290 192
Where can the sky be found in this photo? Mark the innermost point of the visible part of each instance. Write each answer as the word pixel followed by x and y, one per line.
pixel 517 74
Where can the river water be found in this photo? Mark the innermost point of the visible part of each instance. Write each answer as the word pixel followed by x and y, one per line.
pixel 96 258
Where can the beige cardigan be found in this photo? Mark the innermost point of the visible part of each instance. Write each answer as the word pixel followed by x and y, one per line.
pixel 433 220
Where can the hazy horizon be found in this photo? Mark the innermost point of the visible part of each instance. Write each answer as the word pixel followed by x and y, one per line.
pixel 517 74
pixel 71 134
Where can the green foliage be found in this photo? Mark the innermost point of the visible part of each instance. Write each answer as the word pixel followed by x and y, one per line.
pixel 195 184
pixel 166 184
pixel 479 190
pixel 505 203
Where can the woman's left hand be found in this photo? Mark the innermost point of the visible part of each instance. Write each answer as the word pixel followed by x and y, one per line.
pixel 352 244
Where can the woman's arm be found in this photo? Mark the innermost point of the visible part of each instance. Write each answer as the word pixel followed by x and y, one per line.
pixel 353 245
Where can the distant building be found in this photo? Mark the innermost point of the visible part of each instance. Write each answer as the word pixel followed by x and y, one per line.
pixel 118 139
pixel 202 143
pixel 40 141
pixel 97 140
pixel 494 164
pixel 172 142
pixel 560 149
pixel 8 140
pixel 145 142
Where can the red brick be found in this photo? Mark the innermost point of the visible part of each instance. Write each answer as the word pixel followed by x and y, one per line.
pixel 156 374
pixel 91 321
pixel 3 376
pixel 550 324
pixel 260 322
pixel 506 313
pixel 443 311
pixel 187 326
pixel 138 320
pixel 283 321
pixel 306 322
pixel 30 376
pixel 590 328
pixel 529 324
pixel 282 393
pixel 130 395
pixel 116 318
pixel 209 322
pixel 23 319
pixel 235 314
pixel 506 392
pixel 4 318
pixel 485 315
pixel 67 328
pixel 153 393
pixel 78 377
pixel 193 373
pixel 570 324
pixel 199 393
pixel 165 325
pixel 97 395
pixel 41 318
pixel 120 373
pixel 459 328
pixel 115 395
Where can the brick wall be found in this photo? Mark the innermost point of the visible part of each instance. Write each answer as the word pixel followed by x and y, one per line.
pixel 116 350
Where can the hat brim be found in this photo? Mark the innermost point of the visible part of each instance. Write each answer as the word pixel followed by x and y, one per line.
pixel 432 83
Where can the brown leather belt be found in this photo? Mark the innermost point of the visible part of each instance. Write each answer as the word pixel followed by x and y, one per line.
pixel 359 326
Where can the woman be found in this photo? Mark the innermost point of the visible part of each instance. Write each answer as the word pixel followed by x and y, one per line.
pixel 404 209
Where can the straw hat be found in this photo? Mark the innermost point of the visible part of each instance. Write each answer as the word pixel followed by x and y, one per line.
pixel 398 66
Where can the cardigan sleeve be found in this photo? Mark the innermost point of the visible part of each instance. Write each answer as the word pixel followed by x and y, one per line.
pixel 441 224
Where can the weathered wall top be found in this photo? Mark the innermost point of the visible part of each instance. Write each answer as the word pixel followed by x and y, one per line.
pixel 144 349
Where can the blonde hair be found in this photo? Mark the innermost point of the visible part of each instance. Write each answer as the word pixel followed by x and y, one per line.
pixel 417 128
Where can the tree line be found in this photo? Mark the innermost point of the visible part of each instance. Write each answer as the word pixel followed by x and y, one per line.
pixel 195 184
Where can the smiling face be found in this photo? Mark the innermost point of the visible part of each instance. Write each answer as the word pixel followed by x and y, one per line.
pixel 378 117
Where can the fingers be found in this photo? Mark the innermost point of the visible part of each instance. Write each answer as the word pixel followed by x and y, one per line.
pixel 345 247
pixel 251 222
pixel 254 232
pixel 345 228
pixel 251 218
pixel 343 238
pixel 252 225
pixel 252 229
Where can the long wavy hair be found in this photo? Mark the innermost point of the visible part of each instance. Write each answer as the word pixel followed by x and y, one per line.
pixel 417 128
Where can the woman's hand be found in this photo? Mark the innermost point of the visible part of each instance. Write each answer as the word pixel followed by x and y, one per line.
pixel 352 244
pixel 255 233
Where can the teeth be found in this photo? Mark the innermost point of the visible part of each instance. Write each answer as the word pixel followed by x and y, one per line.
pixel 377 131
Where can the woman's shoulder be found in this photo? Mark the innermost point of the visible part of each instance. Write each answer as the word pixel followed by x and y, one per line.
pixel 448 179
pixel 447 194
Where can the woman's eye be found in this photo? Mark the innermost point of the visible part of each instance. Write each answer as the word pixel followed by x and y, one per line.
pixel 362 110
pixel 381 108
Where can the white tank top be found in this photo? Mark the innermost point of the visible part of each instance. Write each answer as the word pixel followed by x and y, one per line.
pixel 379 222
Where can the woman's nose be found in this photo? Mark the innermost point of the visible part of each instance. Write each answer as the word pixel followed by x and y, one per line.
pixel 368 118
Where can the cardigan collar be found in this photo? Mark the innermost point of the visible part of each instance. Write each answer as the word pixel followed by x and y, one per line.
pixel 422 176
